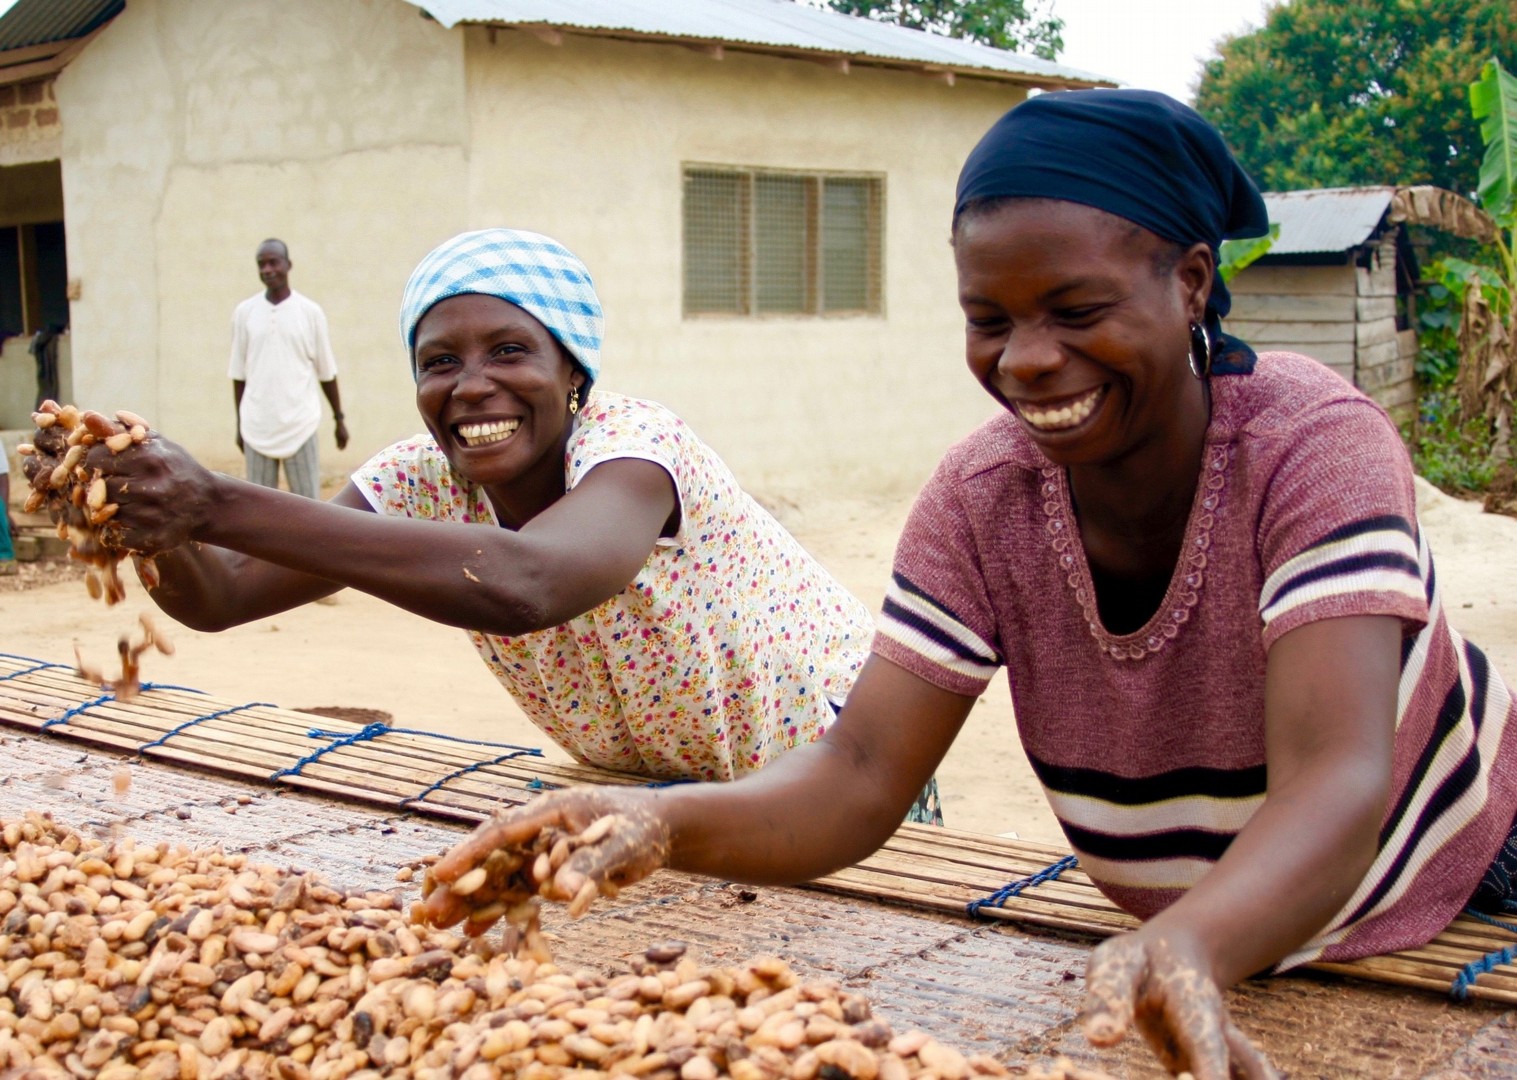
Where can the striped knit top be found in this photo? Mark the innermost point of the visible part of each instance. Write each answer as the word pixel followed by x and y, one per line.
pixel 1150 745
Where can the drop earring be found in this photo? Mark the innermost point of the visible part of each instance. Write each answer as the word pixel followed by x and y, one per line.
pixel 573 400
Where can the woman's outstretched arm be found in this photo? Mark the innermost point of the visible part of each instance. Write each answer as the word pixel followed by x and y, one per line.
pixel 828 805
pixel 212 588
pixel 812 811
pixel 234 551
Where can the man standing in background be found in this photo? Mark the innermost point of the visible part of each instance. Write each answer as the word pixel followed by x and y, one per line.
pixel 281 353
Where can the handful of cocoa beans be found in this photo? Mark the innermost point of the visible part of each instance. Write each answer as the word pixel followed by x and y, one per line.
pixel 76 494
pixel 510 883
pixel 78 498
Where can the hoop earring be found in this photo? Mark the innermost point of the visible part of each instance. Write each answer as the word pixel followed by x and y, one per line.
pixel 1200 341
pixel 573 400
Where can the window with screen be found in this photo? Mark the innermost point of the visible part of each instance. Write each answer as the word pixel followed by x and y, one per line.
pixel 761 242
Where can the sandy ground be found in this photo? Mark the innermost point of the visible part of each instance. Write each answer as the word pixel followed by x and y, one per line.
pixel 362 653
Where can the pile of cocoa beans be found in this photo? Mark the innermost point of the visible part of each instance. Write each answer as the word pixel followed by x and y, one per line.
pixel 122 960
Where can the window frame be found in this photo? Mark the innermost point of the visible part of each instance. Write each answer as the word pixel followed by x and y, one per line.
pixel 813 287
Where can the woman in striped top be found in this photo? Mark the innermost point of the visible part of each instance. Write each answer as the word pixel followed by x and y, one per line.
pixel 1203 572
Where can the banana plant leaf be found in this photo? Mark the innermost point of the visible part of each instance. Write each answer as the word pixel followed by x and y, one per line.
pixel 1234 255
pixel 1493 100
pixel 1454 274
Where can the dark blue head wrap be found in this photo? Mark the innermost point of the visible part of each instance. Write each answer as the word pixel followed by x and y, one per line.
pixel 1137 154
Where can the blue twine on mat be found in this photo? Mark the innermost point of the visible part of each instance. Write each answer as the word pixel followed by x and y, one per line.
pixel 69 714
pixel 1491 920
pixel 28 659
pixel 169 734
pixel 339 740
pixel 1006 892
pixel 375 730
pixel 421 796
pixel 1460 990
pixel 522 751
pixel 48 664
pixel 27 671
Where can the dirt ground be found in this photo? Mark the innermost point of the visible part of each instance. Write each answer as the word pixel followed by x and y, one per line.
pixel 362 654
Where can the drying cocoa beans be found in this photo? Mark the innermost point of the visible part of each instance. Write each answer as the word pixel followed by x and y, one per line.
pixel 122 960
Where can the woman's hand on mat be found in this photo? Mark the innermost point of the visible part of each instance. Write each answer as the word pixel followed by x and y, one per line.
pixel 615 837
pixel 1159 981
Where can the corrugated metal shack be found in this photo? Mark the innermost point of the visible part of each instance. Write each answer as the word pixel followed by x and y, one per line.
pixel 1339 282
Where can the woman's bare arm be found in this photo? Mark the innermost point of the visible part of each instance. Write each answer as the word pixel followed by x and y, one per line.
pixel 828 805
pixel 212 588
pixel 234 551
pixel 812 811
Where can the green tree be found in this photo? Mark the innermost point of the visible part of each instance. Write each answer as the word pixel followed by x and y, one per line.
pixel 1026 26
pixel 1333 93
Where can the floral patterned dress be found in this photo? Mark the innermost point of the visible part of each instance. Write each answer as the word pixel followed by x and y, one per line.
pixel 730 646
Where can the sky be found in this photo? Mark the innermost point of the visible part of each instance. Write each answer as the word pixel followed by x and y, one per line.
pixel 1150 44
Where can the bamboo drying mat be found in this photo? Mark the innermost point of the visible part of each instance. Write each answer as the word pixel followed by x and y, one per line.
pixel 938 869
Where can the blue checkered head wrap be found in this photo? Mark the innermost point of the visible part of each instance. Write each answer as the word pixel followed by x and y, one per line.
pixel 532 271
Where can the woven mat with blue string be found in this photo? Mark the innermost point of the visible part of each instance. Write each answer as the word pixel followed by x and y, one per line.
pixel 959 873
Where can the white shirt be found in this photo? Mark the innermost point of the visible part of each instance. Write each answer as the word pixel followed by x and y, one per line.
pixel 283 352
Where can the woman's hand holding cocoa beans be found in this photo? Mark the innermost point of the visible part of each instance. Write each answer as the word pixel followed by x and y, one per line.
pixel 569 845
pixel 114 486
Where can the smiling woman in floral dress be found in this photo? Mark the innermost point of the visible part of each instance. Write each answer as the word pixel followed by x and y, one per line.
pixel 647 614
pixel 1203 574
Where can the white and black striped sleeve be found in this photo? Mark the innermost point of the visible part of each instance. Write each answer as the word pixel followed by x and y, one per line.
pixel 1373 555
pixel 938 621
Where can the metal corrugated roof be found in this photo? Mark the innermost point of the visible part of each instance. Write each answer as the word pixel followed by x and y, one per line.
pixel 37 22
pixel 782 24
pixel 1326 219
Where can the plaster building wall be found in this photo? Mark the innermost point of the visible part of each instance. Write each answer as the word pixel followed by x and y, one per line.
pixel 363 134
pixel 192 132
pixel 18 383
pixel 586 141
pixel 18 380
